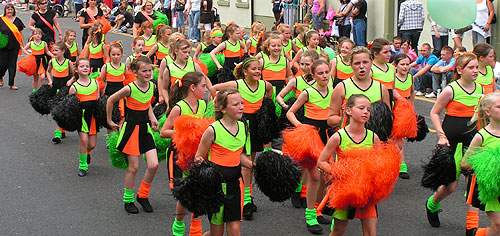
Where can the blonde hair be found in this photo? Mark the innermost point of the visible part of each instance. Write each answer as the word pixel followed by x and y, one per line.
pixel 172 40
pixel 359 50
pixel 257 28
pixel 145 2
pixel 484 104
pixel 461 62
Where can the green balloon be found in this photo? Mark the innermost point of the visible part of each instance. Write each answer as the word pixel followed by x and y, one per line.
pixel 452 14
pixel 329 52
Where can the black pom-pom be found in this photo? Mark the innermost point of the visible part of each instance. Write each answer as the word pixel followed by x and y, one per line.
pixel 100 112
pixel 441 169
pixel 41 99
pixel 276 176
pixel 159 110
pixel 380 120
pixel 56 99
pixel 422 131
pixel 224 75
pixel 283 122
pixel 267 121
pixel 201 191
pixel 68 114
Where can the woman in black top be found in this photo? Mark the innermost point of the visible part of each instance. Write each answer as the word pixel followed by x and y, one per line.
pixel 145 14
pixel 206 14
pixel 46 20
pixel 87 18
pixel 8 54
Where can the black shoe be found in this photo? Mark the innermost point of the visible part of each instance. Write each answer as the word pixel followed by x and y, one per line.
pixel 324 221
pixel 433 217
pixel 315 229
pixel 247 211
pixel 56 140
pixel 82 173
pixel 63 135
pixel 327 211
pixel 404 175
pixel 295 199
pixel 254 207
pixel 88 158
pixel 144 202
pixel 303 200
pixel 470 232
pixel 131 208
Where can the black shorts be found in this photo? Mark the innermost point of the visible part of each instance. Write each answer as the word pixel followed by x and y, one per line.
pixel 256 144
pixel 113 87
pixel 278 84
pixel 96 64
pixel 324 129
pixel 59 83
pixel 232 208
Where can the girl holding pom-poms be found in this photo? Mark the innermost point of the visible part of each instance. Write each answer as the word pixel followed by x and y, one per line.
pixel 458 99
pixel 403 84
pixel 354 135
pixel 253 90
pixel 483 151
pixel 38 49
pixel 87 91
pixel 59 72
pixel 186 98
pixel 316 101
pixel 96 49
pixel 114 72
pixel 275 66
pixel 225 143
pixel 135 134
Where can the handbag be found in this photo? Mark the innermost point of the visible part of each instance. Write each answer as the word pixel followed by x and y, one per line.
pixel 339 21
pixel 179 6
pixel 463 30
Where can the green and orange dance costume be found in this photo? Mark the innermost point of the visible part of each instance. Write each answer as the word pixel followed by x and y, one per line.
pixel 60 76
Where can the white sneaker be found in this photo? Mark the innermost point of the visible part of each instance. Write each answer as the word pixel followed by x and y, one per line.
pixel 418 93
pixel 430 95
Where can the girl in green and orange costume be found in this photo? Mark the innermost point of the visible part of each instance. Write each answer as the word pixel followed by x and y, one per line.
pixel 225 143
pixel 186 98
pixel 160 49
pixel 96 49
pixel 87 91
pixel 482 150
pixel 135 135
pixel 69 40
pixel 253 90
pixel 459 100
pixel 340 67
pixel 59 72
pixel 316 102
pixel 256 30
pixel 38 49
pixel 232 47
pixel 486 57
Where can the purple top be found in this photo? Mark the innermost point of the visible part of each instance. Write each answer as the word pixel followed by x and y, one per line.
pixel 315 7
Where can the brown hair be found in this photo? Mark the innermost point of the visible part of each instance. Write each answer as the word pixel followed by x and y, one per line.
pixel 221 101
pixel 400 57
pixel 377 46
pixel 115 45
pixel 265 47
pixel 257 28
pixel 229 30
pixel 359 50
pixel 144 25
pixel 139 61
pixel 77 63
pixel 309 35
pixel 315 65
pixel 298 29
pixel 66 34
pixel 161 31
pixel 180 45
pixel 461 62
pixel 350 103
pixel 238 70
pixel 7 7
pixel 482 50
pixel 447 49
pixel 63 48
pixel 180 88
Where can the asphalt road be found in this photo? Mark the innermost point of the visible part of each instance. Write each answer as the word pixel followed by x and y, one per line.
pixel 41 193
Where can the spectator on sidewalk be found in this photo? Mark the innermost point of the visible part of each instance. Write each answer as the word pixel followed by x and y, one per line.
pixel 308 5
pixel 318 14
pixel 396 48
pixel 359 22
pixel 481 30
pixel 145 14
pixel 442 71
pixel 193 12
pixel 122 19
pixel 423 76
pixel 439 37
pixel 411 21
pixel 206 14
pixel 344 15
pixel 406 49
pixel 167 10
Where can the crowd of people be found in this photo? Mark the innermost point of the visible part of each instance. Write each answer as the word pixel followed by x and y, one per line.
pixel 334 92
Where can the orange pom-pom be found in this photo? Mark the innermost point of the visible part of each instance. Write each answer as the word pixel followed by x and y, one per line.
pixel 363 176
pixel 27 65
pixel 101 83
pixel 129 78
pixel 203 67
pixel 385 165
pixel 106 26
pixel 405 120
pixel 187 136
pixel 303 144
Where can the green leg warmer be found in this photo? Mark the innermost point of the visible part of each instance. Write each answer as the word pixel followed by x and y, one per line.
pixel 311 217
pixel 333 224
pixel 178 228
pixel 57 133
pixel 83 161
pixel 128 195
pixel 403 168
pixel 433 206
pixel 299 187
pixel 248 198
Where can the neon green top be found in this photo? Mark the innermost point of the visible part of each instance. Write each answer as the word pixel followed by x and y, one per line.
pixel 96 49
pixel 163 49
pixel 276 67
pixel 489 139
pixel 252 100
pixel 38 47
pixel 403 86
pixel 225 150
pixel 384 77
pixel 341 66
pixel 463 103
pixel 487 78
pixel 177 72
pixel 346 141
pixel 203 46
pixel 149 42
pixel 374 92
pixel 288 47
pixel 60 67
pixel 140 96
pixel 116 72
pixel 73 48
pixel 86 90
pixel 317 105
pixel 299 44
pixel 301 83
pixel 187 110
